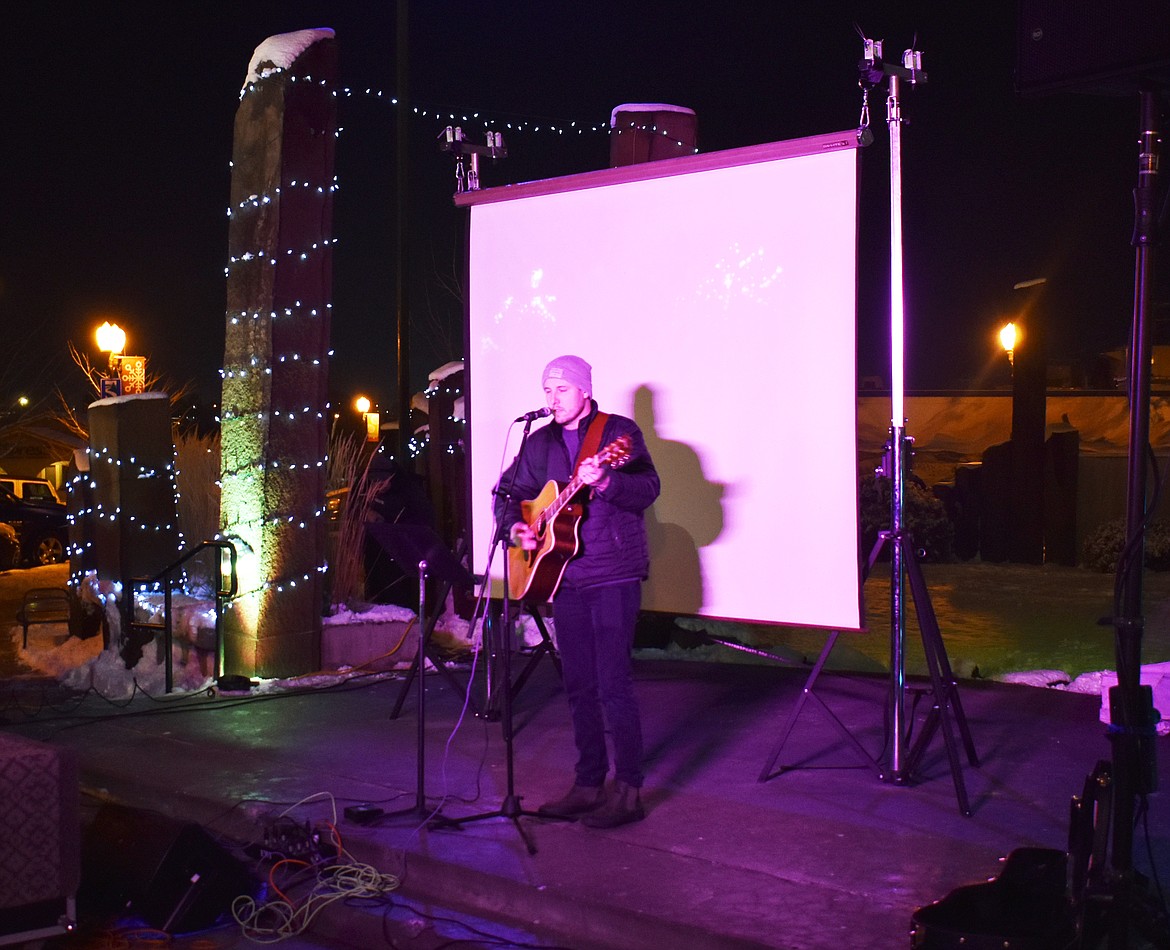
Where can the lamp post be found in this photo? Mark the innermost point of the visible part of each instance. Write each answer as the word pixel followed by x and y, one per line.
pixel 111 339
pixel 1009 336
pixel 1029 410
pixel 127 374
pixel 370 416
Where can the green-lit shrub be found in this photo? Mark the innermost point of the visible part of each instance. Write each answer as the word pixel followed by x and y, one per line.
pixel 1103 546
pixel 923 515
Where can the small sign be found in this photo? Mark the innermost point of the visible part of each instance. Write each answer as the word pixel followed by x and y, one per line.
pixel 133 372
pixel 111 386
pixel 373 427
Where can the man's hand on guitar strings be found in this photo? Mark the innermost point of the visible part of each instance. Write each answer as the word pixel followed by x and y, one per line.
pixel 592 472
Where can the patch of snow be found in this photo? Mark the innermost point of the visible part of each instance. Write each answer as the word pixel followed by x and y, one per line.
pixel 279 52
pixel 131 397
pixel 645 107
pixel 447 369
pixel 371 613
pixel 1054 678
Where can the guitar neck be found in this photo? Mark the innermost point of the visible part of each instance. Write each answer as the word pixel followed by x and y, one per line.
pixel 554 507
pixel 614 454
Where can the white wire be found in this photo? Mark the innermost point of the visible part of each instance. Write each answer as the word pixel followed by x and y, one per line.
pixel 335 882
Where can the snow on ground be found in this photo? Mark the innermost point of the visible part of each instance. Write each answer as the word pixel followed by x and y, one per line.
pixel 83 664
pixel 1155 675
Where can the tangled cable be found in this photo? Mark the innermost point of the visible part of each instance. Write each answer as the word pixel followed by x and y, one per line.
pixel 279 919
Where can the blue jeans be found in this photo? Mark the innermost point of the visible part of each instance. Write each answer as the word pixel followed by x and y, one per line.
pixel 595 636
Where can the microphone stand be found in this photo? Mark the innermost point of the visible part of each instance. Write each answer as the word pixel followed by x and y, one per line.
pixel 510 806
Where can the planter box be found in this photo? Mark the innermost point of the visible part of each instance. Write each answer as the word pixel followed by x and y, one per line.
pixel 374 645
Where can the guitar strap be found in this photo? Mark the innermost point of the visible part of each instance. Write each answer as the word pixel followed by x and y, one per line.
pixel 592 441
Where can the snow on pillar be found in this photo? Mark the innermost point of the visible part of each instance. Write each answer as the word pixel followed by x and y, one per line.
pixel 273 419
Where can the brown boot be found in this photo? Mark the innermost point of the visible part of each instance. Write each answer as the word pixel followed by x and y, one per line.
pixel 624 806
pixel 579 800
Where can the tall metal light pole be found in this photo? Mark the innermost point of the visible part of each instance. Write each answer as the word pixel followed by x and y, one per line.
pixel 402 243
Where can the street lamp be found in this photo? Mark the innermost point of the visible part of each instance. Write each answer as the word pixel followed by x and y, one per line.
pixel 371 417
pixel 127 373
pixel 111 339
pixel 1009 336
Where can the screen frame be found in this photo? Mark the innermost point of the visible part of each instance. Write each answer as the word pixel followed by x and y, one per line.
pixel 850 617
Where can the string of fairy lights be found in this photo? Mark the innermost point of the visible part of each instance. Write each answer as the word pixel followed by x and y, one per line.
pixel 251 472
pixel 261 455
pixel 116 469
pixel 521 124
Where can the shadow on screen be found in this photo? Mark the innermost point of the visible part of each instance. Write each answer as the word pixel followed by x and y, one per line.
pixel 687 517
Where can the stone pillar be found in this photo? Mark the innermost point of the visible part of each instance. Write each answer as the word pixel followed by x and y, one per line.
pixel 132 515
pixel 647 132
pixel 274 413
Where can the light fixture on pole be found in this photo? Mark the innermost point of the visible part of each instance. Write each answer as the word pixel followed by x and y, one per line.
pixel 370 416
pixel 1009 337
pixel 111 339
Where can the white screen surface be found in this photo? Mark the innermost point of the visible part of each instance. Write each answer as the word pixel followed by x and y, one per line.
pixel 716 304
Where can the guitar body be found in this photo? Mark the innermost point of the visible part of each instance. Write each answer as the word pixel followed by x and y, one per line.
pixel 535 575
pixel 553 517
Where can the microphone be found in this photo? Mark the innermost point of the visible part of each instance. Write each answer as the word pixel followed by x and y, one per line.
pixel 535 414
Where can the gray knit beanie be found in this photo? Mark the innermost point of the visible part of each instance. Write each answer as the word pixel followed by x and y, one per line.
pixel 573 370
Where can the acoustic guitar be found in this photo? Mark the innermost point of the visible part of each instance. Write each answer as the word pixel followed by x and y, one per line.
pixel 553 517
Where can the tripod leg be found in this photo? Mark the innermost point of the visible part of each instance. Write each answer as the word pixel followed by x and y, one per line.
pixel 544 647
pixel 918 585
pixel 943 663
pixel 945 693
pixel 406 683
pixel 806 693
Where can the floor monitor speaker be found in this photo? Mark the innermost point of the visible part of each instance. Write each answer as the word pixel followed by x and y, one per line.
pixel 171 874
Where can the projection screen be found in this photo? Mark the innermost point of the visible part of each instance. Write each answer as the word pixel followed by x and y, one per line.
pixel 714 296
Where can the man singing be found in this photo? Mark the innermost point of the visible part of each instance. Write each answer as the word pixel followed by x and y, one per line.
pixel 596 605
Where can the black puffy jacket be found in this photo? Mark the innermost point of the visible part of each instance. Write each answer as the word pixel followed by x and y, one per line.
pixel 612 532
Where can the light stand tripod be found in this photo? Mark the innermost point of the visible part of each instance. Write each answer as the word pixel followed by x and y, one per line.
pixel 510 806
pixel 946 710
pixel 386 534
pixel 901 759
pixel 1132 714
pixel 493 623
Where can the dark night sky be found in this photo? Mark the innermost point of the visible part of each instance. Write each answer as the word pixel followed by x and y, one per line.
pixel 118 137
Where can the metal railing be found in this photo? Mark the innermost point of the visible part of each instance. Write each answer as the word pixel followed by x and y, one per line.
pixel 227 586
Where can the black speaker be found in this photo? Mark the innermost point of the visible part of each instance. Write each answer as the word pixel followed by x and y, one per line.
pixel 1092 47
pixel 169 873
pixel 1025 908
